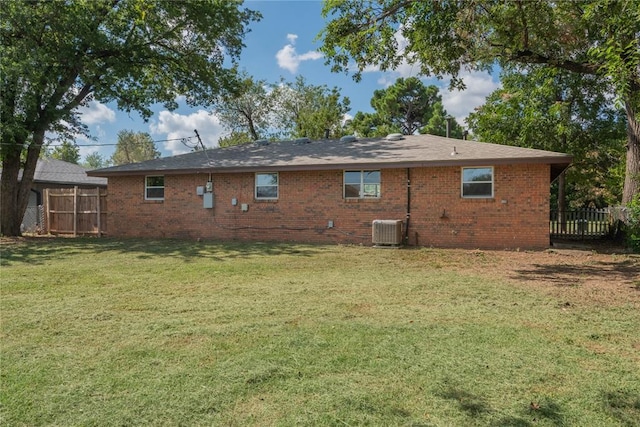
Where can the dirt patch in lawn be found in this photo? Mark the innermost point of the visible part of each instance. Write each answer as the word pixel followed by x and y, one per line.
pixel 576 276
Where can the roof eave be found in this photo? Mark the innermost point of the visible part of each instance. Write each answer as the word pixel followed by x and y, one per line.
pixel 560 161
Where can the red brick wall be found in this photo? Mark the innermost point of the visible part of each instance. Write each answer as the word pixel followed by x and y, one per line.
pixel 517 217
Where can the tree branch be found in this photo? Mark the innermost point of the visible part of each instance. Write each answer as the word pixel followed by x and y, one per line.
pixel 529 57
pixel 525 28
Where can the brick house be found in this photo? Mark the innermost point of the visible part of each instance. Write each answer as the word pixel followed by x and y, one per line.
pixel 443 192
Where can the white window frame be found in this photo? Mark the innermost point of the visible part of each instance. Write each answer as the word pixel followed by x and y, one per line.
pixel 148 187
pixel 463 182
pixel 361 193
pixel 256 186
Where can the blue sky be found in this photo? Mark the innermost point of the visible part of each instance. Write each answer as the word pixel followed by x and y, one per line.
pixel 280 45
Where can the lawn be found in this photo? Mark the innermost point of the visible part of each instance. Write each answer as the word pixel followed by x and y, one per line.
pixel 118 332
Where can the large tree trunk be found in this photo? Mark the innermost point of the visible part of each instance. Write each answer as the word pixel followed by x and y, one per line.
pixel 10 219
pixel 14 190
pixel 632 173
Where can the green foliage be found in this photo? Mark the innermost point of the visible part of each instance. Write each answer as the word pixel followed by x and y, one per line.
pixel 556 110
pixel 284 110
pixel 437 124
pixel 56 56
pixel 306 110
pixel 95 161
pixel 407 104
pixel 595 38
pixel 235 138
pixel 67 151
pixel 249 112
pixel 618 26
pixel 405 107
pixel 632 227
pixel 367 125
pixel 134 147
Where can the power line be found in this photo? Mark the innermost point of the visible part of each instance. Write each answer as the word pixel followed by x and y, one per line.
pixel 106 145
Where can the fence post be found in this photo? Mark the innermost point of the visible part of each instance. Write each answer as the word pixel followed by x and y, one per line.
pixel 562 221
pixel 47 202
pixel 98 211
pixel 75 211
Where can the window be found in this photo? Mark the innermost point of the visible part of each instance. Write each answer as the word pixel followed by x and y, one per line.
pixel 477 182
pixel 267 185
pixel 361 184
pixel 154 188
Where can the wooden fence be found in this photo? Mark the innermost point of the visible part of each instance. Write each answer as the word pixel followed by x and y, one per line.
pixel 581 224
pixel 76 211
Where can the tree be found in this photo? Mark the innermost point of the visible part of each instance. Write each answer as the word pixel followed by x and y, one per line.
pixel 304 110
pixel 250 112
pixel 134 147
pixel 235 138
pixel 439 121
pixel 67 151
pixel 442 38
pixel 552 109
pixel 56 56
pixel 284 110
pixel 406 105
pixel 95 161
pixel 368 125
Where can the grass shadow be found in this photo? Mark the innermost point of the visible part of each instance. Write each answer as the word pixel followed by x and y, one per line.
pixel 477 407
pixel 623 406
pixel 39 250
pixel 513 422
pixel 470 403
pixel 563 275
pixel 549 410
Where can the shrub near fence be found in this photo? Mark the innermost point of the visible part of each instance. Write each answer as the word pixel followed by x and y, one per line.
pixel 76 211
pixel 581 224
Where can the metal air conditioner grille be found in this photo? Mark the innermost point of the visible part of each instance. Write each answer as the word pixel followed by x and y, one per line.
pixel 386 232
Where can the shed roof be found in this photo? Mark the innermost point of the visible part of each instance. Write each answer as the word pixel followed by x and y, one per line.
pixel 378 153
pixel 54 171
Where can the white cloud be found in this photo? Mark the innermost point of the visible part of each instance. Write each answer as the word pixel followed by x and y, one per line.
pixel 460 103
pixel 96 112
pixel 289 59
pixel 177 126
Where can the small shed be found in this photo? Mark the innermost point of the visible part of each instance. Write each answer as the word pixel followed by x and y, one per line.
pixel 55 175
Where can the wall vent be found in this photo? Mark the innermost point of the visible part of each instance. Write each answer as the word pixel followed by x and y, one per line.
pixel 386 232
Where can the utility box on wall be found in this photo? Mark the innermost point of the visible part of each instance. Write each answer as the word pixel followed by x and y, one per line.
pixel 207 201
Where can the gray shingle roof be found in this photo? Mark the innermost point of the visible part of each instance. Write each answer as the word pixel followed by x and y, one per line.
pixel 379 153
pixel 59 172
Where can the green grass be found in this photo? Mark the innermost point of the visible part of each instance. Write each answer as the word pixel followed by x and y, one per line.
pixel 108 332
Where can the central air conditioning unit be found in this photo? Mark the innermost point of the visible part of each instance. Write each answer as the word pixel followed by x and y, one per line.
pixel 386 232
